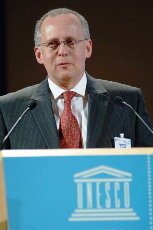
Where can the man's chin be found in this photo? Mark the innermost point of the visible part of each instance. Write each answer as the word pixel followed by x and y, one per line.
pixel 67 81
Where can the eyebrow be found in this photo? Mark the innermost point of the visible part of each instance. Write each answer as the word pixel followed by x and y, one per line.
pixel 57 39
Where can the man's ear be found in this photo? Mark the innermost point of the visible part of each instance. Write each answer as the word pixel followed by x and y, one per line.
pixel 38 55
pixel 89 49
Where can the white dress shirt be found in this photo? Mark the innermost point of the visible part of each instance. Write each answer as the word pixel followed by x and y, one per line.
pixel 79 105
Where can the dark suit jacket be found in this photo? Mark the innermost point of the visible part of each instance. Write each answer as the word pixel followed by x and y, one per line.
pixel 106 117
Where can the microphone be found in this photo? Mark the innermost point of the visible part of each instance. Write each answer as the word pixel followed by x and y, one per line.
pixel 120 100
pixel 32 104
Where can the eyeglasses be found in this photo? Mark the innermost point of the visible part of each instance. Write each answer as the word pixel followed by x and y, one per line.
pixel 69 43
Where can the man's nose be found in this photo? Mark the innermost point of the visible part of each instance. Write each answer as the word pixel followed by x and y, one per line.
pixel 62 49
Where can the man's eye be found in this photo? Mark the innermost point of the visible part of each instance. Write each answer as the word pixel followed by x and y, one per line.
pixel 53 44
pixel 70 42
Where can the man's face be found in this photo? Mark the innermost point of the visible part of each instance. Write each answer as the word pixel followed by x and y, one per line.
pixel 65 66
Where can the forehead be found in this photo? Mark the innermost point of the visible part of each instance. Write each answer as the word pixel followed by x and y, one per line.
pixel 63 25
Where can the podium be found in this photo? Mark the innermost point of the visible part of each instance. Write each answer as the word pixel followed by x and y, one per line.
pixel 87 189
pixel 3 212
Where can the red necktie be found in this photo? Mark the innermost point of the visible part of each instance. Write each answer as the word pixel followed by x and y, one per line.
pixel 70 135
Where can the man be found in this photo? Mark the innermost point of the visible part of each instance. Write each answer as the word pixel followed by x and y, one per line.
pixel 62 45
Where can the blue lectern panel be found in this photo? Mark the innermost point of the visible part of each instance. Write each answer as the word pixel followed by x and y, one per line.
pixel 79 192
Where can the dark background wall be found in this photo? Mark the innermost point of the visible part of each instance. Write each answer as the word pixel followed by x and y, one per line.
pixel 122 34
pixel 3 79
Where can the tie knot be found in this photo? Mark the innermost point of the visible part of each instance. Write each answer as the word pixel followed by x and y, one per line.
pixel 68 95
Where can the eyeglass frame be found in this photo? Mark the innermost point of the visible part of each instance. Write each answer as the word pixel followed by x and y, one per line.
pixel 55 47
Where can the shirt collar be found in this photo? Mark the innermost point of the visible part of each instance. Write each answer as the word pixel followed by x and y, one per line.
pixel 79 88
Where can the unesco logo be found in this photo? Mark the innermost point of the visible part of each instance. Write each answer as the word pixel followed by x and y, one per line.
pixel 103 194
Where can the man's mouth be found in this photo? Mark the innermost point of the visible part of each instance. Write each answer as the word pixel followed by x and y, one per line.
pixel 63 64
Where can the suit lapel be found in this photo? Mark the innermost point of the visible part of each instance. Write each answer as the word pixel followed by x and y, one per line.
pixel 97 109
pixel 97 112
pixel 104 115
pixel 44 116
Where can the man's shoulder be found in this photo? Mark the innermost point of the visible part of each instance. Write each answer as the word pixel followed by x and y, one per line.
pixel 21 95
pixel 112 86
